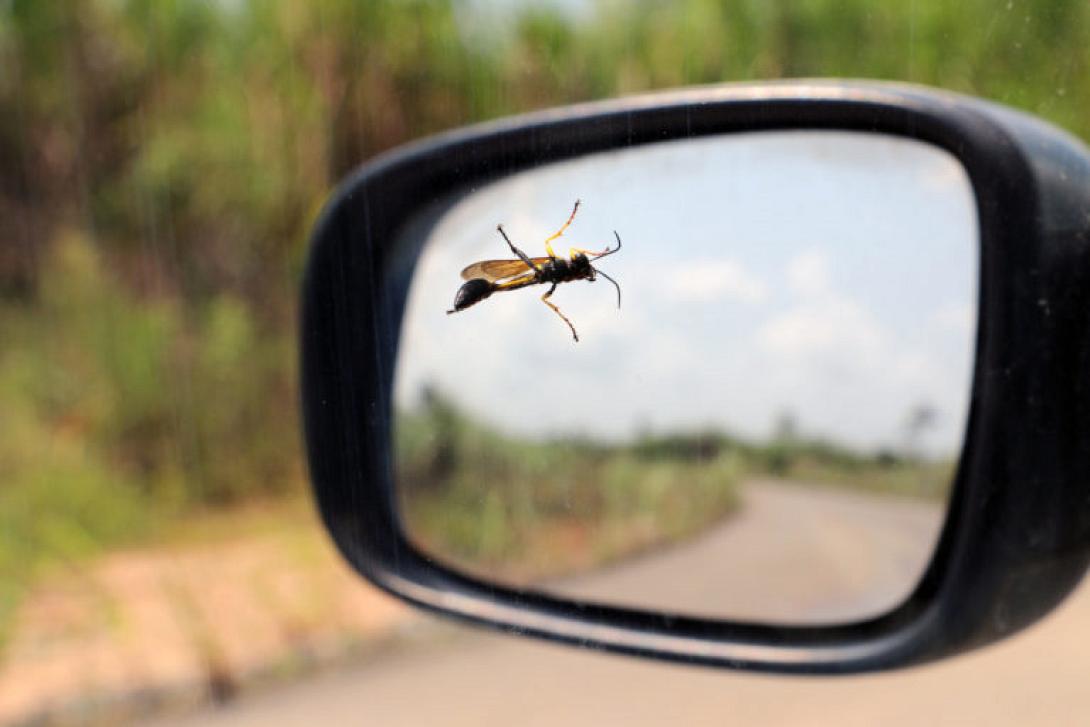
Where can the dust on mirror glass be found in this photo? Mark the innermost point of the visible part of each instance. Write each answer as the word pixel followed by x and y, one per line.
pixel 766 429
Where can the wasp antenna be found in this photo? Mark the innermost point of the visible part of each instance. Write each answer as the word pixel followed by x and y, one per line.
pixel 608 251
pixel 599 272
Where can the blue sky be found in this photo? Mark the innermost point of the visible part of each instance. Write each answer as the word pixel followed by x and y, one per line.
pixel 828 274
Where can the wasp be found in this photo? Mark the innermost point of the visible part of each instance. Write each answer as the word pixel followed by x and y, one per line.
pixel 492 276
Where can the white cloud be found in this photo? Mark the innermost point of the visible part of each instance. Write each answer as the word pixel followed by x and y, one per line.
pixel 706 281
pixel 848 375
pixel 835 329
pixel 956 318
pixel 808 273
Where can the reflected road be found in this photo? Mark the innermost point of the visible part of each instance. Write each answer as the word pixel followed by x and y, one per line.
pixel 792 554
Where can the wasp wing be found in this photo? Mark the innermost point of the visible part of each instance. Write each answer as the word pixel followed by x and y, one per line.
pixel 493 270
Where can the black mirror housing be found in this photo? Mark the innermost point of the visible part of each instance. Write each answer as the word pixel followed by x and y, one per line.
pixel 1017 536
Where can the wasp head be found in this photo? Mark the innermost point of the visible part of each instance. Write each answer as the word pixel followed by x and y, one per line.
pixel 580 267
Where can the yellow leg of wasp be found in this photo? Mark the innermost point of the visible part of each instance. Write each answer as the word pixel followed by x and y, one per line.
pixel 545 300
pixel 548 246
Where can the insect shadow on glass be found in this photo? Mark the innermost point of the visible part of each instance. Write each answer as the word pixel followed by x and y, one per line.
pixel 491 276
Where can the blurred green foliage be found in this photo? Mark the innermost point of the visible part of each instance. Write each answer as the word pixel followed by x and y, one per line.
pixel 119 411
pixel 161 162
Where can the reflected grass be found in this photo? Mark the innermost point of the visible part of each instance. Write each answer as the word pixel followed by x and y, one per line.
pixel 520 511
pixel 917 480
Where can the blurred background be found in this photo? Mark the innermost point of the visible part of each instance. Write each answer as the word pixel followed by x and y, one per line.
pixel 160 166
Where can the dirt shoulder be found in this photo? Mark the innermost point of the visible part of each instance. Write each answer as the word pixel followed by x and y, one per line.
pixel 185 624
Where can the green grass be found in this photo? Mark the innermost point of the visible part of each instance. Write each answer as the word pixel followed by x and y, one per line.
pixel 121 414
pixel 919 480
pixel 526 509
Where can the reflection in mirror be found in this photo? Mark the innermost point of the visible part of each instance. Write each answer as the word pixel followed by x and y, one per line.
pixel 765 430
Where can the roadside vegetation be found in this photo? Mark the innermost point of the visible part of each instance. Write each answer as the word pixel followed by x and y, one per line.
pixel 524 509
pixel 162 162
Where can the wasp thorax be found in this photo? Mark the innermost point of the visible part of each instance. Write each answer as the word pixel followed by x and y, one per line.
pixel 474 291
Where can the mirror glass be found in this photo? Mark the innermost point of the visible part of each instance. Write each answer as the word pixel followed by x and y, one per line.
pixel 767 427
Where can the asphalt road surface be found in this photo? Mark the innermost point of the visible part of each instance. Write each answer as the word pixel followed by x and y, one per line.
pixel 473 677
pixel 793 554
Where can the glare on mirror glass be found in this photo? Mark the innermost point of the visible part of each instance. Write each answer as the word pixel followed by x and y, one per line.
pixel 766 429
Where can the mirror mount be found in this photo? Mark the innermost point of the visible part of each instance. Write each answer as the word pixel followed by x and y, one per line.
pixel 1017 537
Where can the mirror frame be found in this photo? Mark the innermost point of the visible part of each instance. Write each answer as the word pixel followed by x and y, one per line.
pixel 1016 539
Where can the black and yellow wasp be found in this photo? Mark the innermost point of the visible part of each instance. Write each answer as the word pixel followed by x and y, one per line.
pixel 491 276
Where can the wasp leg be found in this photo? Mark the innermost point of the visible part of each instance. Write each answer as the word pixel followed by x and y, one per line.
pixel 518 253
pixel 545 300
pixel 548 246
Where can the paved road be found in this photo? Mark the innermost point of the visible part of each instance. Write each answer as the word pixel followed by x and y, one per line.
pixel 793 554
pixel 478 678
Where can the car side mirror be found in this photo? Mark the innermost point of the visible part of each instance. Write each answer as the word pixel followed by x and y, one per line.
pixel 410 370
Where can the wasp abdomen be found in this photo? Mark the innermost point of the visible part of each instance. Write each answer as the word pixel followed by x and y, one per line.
pixel 474 291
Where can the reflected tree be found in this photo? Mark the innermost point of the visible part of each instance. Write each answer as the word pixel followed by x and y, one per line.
pixel 920 419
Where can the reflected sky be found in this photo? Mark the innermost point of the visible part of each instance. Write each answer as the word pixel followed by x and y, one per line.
pixel 828 275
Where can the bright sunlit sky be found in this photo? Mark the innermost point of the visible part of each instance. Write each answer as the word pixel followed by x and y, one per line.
pixel 830 275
